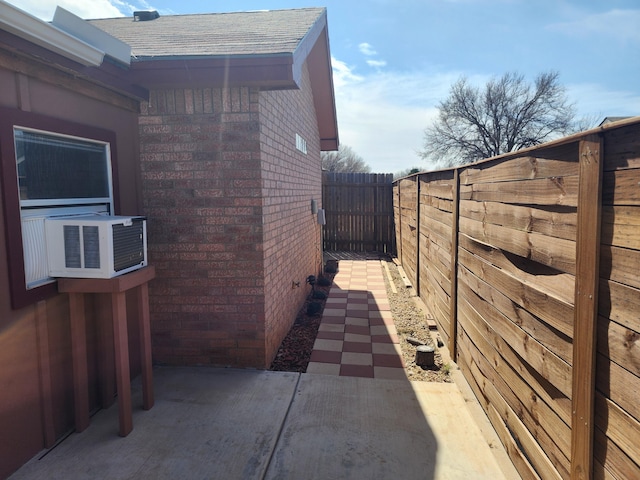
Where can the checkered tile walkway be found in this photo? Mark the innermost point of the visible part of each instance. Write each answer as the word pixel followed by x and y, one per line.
pixel 357 337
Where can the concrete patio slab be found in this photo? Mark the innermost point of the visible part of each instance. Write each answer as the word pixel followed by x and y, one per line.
pixel 231 424
pixel 380 429
pixel 206 424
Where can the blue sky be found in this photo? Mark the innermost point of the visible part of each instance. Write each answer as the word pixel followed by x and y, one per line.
pixel 394 60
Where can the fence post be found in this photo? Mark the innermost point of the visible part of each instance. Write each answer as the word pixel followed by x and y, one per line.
pixel 453 299
pixel 586 306
pixel 399 239
pixel 417 279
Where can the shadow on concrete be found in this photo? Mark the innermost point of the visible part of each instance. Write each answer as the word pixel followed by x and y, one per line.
pixel 245 424
pixel 216 423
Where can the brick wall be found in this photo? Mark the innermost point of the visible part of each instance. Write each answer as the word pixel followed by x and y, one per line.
pixel 227 197
pixel 290 180
pixel 200 156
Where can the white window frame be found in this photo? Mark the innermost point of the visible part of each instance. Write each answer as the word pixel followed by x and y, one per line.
pixel 33 212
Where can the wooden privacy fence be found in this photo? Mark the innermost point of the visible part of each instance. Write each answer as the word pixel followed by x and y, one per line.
pixel 530 265
pixel 359 212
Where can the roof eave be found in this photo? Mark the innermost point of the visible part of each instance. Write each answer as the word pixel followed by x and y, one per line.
pixel 108 75
pixel 272 71
pixel 314 49
pixel 40 33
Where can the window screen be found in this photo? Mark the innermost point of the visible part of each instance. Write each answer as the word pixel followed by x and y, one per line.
pixel 59 170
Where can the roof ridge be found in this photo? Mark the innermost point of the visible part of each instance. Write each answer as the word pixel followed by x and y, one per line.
pixel 203 14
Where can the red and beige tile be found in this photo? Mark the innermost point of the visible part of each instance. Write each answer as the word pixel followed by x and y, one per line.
pixel 357 336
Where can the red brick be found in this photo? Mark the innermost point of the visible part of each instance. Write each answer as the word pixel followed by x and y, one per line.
pixel 226 256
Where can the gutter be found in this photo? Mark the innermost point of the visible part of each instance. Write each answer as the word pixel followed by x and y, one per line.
pixel 36 31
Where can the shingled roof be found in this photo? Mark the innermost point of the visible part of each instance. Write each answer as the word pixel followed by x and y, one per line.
pixel 214 34
pixel 267 49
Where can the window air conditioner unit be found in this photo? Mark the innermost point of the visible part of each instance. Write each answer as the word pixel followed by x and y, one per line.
pixel 95 246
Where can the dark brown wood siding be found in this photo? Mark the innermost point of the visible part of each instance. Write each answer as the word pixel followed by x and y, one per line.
pixel 35 362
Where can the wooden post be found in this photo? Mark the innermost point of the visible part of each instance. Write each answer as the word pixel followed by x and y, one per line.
pixel 453 299
pixel 586 306
pixel 399 239
pixel 44 363
pixel 116 287
pixel 123 378
pixel 144 326
pixel 79 361
pixel 417 279
pixel 425 356
pixel 106 356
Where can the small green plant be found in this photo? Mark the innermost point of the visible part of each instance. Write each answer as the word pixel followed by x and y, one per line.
pixel 446 368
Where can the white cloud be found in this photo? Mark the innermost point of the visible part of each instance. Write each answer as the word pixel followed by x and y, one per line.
pixel 594 100
pixel 382 115
pixel 377 63
pixel 621 25
pixel 343 74
pixel 367 49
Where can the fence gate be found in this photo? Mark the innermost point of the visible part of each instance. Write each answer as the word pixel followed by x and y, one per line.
pixel 359 212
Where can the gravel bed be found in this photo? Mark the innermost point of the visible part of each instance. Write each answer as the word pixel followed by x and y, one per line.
pixel 410 321
pixel 295 351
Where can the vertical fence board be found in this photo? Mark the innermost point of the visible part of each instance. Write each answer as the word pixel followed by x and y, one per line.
pixel 359 210
pixel 586 306
pixel 617 420
pixel 453 308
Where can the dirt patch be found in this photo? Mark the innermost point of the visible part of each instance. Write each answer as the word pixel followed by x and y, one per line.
pixel 295 350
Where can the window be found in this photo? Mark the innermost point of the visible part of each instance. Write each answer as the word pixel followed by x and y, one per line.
pixel 301 144
pixel 58 170
pixel 57 175
pixel 49 168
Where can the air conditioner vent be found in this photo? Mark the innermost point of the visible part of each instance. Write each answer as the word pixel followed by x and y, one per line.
pixel 72 253
pixel 128 247
pixel 95 246
pixel 91 243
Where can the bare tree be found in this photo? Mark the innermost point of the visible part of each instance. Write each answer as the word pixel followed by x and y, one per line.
pixel 344 160
pixel 406 172
pixel 509 114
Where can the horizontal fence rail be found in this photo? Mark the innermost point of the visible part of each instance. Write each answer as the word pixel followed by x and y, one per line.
pixel 529 263
pixel 359 212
